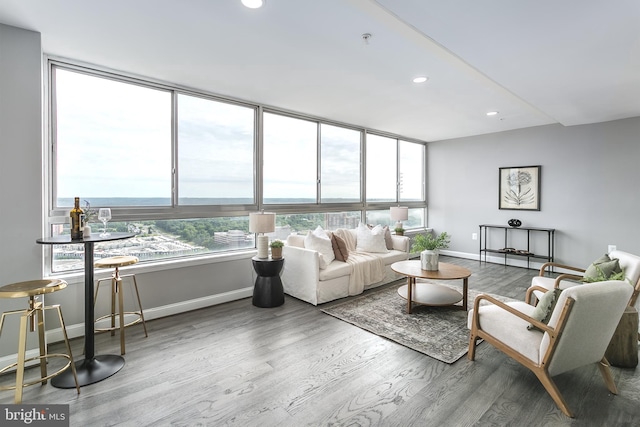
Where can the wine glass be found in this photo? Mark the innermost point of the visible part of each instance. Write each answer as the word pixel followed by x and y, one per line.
pixel 104 215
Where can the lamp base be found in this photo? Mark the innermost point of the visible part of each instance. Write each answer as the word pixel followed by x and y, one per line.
pixel 263 246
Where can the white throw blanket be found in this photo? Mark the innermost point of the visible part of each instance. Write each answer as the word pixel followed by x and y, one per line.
pixel 366 268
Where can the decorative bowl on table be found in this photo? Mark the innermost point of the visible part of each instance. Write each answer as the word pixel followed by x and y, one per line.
pixel 514 223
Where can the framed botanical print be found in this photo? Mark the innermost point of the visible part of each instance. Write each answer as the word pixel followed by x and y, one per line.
pixel 519 188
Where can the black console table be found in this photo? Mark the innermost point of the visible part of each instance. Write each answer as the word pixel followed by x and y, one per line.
pixel 517 252
pixel 268 290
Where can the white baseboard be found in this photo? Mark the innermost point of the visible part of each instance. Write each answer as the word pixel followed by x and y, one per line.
pixel 511 261
pixel 77 330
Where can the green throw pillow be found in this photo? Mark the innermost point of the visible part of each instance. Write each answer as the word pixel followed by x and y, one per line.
pixel 545 307
pixel 602 269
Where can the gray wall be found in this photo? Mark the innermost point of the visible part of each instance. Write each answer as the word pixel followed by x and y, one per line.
pixel 20 168
pixel 171 289
pixel 590 178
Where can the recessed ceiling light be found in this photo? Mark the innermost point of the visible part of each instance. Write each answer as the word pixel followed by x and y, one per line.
pixel 420 79
pixel 492 113
pixel 253 4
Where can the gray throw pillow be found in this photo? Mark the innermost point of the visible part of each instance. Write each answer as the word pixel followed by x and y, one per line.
pixel 604 268
pixel 545 307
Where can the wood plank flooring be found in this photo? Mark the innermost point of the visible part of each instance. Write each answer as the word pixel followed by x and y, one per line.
pixel 238 365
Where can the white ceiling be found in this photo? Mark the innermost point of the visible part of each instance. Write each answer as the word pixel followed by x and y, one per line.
pixel 536 62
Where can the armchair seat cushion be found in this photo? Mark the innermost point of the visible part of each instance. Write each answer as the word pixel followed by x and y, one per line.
pixel 501 325
pixel 549 282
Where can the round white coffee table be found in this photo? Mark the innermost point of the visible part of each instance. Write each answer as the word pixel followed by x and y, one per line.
pixel 428 293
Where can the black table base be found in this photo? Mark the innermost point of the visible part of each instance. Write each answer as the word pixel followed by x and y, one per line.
pixel 268 291
pixel 89 371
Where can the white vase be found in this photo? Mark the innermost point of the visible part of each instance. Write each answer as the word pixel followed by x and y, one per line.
pixel 86 231
pixel 429 260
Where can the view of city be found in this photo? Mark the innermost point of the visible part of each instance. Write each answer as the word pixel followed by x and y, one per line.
pixel 162 239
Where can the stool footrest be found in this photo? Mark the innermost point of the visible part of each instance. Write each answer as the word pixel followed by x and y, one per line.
pixel 115 328
pixel 41 380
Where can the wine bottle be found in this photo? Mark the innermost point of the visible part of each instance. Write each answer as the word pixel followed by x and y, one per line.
pixel 77 215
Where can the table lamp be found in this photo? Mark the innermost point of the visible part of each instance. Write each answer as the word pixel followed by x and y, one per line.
pixel 399 214
pixel 262 222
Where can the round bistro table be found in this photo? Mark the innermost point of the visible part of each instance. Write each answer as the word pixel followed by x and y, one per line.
pixel 93 368
pixel 429 293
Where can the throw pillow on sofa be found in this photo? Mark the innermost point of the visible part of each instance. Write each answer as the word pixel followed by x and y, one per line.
pixel 319 241
pixel 339 248
pixel 370 240
pixel 387 237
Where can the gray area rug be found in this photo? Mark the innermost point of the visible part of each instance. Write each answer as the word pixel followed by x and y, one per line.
pixel 438 332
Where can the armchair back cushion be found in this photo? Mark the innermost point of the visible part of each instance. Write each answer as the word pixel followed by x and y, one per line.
pixel 590 325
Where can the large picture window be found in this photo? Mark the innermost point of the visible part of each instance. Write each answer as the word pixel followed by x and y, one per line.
pixel 412 171
pixel 112 142
pixel 289 172
pixel 215 152
pixel 182 170
pixel 382 171
pixel 339 164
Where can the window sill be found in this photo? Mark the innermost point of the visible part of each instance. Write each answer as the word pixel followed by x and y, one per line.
pixel 77 277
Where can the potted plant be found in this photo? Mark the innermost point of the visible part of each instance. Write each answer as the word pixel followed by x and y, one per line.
pixel 89 214
pixel 429 247
pixel 399 231
pixel 276 248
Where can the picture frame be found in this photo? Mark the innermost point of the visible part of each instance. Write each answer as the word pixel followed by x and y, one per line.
pixel 519 188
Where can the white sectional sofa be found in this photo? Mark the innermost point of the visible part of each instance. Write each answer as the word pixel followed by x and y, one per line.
pixel 308 276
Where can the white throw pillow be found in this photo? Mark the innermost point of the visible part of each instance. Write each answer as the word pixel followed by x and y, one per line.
pixel 319 241
pixel 370 240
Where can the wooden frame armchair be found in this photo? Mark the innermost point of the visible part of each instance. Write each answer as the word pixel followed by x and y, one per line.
pixel 629 262
pixel 578 333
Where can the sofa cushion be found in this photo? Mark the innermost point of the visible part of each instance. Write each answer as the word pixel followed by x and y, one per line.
pixel 296 240
pixel 392 256
pixel 334 270
pixel 319 241
pixel 370 240
pixel 339 248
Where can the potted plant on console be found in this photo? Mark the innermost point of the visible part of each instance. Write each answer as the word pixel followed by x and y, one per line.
pixel 399 231
pixel 276 249
pixel 429 247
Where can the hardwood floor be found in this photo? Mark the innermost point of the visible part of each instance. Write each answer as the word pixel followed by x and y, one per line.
pixel 236 364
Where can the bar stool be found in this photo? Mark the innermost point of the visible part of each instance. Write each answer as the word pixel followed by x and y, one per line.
pixel 32 289
pixel 116 289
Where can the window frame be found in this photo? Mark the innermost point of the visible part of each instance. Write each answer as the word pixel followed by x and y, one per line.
pixel 59 215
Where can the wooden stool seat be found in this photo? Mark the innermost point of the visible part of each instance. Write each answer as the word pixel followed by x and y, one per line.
pixel 29 317
pixel 116 262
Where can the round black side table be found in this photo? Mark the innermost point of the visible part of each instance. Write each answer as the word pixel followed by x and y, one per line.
pixel 268 291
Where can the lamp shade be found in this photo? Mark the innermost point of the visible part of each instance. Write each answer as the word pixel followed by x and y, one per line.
pixel 399 213
pixel 262 222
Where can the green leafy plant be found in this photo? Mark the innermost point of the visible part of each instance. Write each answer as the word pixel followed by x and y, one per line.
pixel 89 213
pixel 399 230
pixel 276 244
pixel 429 242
